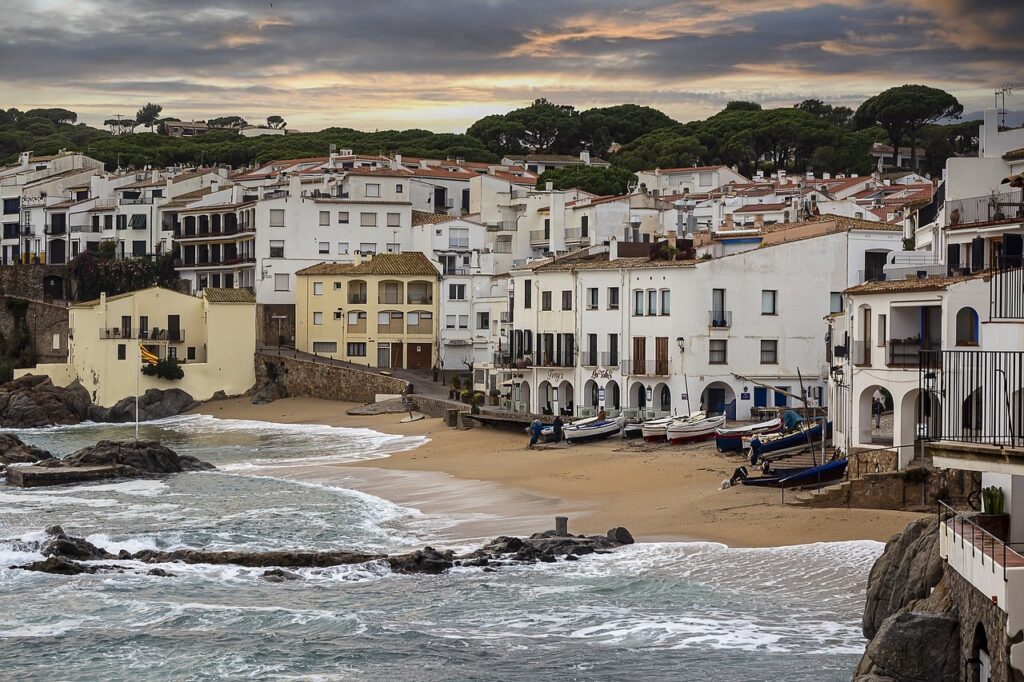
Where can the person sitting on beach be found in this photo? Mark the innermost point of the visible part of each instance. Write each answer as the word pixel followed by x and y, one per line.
pixel 602 415
pixel 535 429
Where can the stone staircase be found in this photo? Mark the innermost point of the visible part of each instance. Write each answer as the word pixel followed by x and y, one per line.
pixel 835 495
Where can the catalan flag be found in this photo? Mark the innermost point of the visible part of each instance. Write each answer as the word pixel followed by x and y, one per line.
pixel 148 355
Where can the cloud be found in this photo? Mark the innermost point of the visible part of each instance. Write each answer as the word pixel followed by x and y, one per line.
pixel 402 62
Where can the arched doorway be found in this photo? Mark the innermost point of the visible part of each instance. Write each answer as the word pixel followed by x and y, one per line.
pixel 56 252
pixel 566 399
pixel 612 397
pixel 972 415
pixel 918 417
pixel 663 397
pixel 981 668
pixel 523 396
pixel 638 396
pixel 868 433
pixel 967 327
pixel 718 397
pixel 53 287
pixel 591 395
pixel 544 398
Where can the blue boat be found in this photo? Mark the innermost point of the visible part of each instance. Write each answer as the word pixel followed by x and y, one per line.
pixel 789 443
pixel 799 477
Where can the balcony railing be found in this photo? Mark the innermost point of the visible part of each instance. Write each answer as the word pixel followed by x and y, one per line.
pixel 136 201
pixel 720 319
pixel 555 360
pixel 646 367
pixel 574 235
pixel 978 396
pixel 503 247
pixel 357 299
pixel 989 208
pixel 538 237
pixel 458 244
pixel 51 230
pixel 984 560
pixel 502 226
pixel 599 359
pixel 420 299
pixel 861 355
pixel 390 297
pixel 151 334
pixel 870 275
pixel 1006 291
pixel 906 353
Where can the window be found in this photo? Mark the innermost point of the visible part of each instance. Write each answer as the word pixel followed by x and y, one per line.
pixel 172 352
pixel 343 217
pixel 967 327
pixel 458 238
pixel 718 351
pixel 456 292
pixel 769 298
pixel 277 248
pixel 122 222
pixel 325 247
pixel 882 331
pixel 325 218
pixel 318 288
pixel 638 302
pixel 527 294
pixel 337 286
pixel 836 302
pixel 585 226
pixel 108 222
pixel 338 315
pixel 652 302
pixel 613 349
pixel 393 247
pixel 592 298
pixel 122 351
pixel 277 217
pixel 463 321
pixel 665 296
pixel 342 248
pixel 325 346
pixel 394 219
pixel 190 353
pixel 449 321
pixel 368 219
pixel 769 352
pixel 372 189
pixel 137 222
pixel 281 282
pixel 367 248
pixel 318 318
pixel 399 188
pixel 613 298
pixel 567 300
pixel 545 300
pixel 56 341
pixel 483 320
pixel 356 316
pixel 355 350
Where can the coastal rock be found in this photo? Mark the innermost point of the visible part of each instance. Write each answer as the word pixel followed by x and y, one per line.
pixel 134 458
pixel 274 575
pixel 60 545
pixel 33 401
pixel 269 384
pixel 913 646
pixel 271 559
pixel 14 451
pixel 61 566
pixel 426 560
pixel 907 571
pixel 621 536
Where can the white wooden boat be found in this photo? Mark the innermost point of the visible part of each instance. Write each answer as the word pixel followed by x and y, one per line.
pixel 731 440
pixel 654 430
pixel 595 430
pixel 691 431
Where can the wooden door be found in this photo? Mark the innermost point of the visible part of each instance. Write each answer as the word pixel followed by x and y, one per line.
pixel 661 355
pixel 419 355
pixel 639 354
pixel 397 352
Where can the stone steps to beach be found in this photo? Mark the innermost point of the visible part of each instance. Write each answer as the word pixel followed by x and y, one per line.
pixel 808 497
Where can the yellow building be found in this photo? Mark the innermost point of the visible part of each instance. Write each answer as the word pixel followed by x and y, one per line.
pixel 381 312
pixel 213 336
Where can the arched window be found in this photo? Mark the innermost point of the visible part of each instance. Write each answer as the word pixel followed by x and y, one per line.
pixel 967 327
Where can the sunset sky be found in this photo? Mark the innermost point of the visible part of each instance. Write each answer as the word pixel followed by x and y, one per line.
pixel 441 64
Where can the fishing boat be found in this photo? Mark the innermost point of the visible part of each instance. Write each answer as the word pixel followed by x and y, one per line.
pixel 693 430
pixel 801 476
pixel 633 430
pixel 547 434
pixel 777 445
pixel 591 431
pixel 654 430
pixel 731 440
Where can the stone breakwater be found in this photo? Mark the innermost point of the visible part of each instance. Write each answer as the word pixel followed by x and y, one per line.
pixel 922 618
pixel 69 555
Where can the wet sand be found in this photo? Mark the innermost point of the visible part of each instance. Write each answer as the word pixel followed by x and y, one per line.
pixel 490 481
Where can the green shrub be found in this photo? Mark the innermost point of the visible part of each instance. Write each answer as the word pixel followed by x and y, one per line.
pixel 168 369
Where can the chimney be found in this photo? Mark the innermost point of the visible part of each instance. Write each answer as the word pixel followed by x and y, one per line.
pixel 585 157
pixel 549 186
pixel 729 224
pixel 613 249
pixel 459 160
pixel 759 220
pixel 294 186
pixel 215 185
pixel 154 175
pixel 357 257
pixel 826 176
pixel 396 162
pixel 236 194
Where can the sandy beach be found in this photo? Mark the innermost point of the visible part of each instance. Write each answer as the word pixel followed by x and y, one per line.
pixel 495 484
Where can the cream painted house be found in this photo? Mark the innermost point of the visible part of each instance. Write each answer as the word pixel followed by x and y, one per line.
pixel 381 312
pixel 213 336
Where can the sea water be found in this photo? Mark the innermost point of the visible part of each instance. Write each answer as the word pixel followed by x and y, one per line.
pixel 662 611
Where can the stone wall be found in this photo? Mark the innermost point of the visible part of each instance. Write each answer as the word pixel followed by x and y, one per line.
pixel 310 379
pixel 26 281
pixel 894 490
pixel 437 407
pixel 44 320
pixel 275 332
pixel 973 610
pixel 872 461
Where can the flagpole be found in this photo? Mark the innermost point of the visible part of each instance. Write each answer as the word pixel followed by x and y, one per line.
pixel 138 353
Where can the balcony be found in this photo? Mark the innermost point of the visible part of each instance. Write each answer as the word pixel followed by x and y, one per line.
pixel 136 201
pixel 357 299
pixel 906 353
pixel 599 359
pixel 538 238
pixel 575 236
pixel 861 356
pixel 995 568
pixel 420 299
pixel 720 319
pixel 503 247
pixel 26 229
pixel 989 208
pixel 458 244
pixel 1006 292
pixel 51 230
pixel 555 360
pixel 502 226
pixel 216 262
pixel 154 334
pixel 642 367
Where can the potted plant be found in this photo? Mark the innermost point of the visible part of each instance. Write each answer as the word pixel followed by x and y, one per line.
pixel 494 394
pixel 474 403
pixel 992 517
pixel 456 389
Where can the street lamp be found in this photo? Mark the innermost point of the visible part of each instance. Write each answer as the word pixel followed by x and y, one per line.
pixel 681 342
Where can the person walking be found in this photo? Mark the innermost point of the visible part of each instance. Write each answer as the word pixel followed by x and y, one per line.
pixel 535 429
pixel 556 428
pixel 876 409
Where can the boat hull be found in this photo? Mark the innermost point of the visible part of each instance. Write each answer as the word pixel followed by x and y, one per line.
pixel 796 478
pixel 592 432
pixel 788 444
pixel 693 432
pixel 731 440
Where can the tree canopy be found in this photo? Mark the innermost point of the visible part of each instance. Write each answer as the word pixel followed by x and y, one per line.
pixel 904 110
pixel 599 180
pixel 276 121
pixel 148 115
pixel 228 122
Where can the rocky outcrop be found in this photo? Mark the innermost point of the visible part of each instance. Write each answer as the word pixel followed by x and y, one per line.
pixel 907 571
pixel 270 382
pixel 106 459
pixel 915 646
pixel 14 451
pixel 33 401
pixel 63 552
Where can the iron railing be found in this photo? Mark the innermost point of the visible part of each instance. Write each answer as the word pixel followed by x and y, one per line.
pixel 989 208
pixel 982 543
pixel 906 353
pixel 978 396
pixel 720 319
pixel 538 237
pixel 646 367
pixel 861 353
pixel 1006 291
pixel 598 359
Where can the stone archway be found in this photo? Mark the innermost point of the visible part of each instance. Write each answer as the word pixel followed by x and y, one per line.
pixel 719 397
pixel 663 397
pixel 591 395
pixel 544 396
pixel 612 396
pixel 524 395
pixel 638 396
pixel 867 433
pixel 566 398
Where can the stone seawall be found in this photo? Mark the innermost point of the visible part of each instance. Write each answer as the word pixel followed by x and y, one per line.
pixel 300 377
pixel 29 281
pixel 44 320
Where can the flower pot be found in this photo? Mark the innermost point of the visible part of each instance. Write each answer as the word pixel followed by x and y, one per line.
pixel 996 524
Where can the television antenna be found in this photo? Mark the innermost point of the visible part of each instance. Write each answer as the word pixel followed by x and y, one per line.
pixel 1000 95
